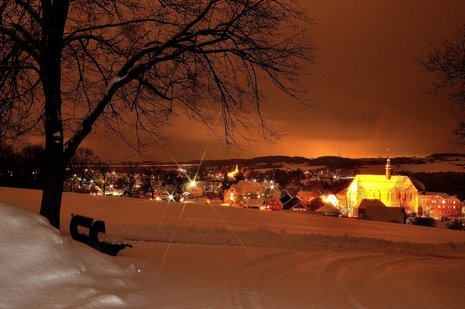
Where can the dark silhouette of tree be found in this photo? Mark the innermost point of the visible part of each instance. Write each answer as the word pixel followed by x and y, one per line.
pixel 67 66
pixel 22 168
pixel 104 172
pixel 8 158
pixel 448 63
pixel 130 170
pixel 32 159
pixel 150 181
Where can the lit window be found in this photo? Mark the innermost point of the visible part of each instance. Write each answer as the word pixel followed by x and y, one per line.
pixel 443 201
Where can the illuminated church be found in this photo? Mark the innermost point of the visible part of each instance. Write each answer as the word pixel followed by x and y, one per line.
pixel 392 191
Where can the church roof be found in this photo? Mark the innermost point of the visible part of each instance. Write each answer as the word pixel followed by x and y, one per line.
pixel 377 182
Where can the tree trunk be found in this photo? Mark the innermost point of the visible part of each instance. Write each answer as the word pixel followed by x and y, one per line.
pixel 54 17
pixel 53 187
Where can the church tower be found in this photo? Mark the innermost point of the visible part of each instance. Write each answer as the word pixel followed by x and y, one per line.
pixel 388 169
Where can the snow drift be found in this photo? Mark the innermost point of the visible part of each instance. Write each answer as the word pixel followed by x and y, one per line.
pixel 42 269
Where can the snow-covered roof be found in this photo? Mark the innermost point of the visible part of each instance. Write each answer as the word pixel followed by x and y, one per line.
pixel 308 195
pixel 437 195
pixel 247 186
pixel 328 208
pixel 371 202
pixel 377 182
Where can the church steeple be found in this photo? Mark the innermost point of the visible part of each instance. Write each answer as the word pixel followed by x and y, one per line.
pixel 388 168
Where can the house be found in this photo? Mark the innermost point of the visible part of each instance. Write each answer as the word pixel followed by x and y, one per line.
pixel 254 189
pixel 286 197
pixel 361 210
pixel 374 209
pixel 257 203
pixel 393 191
pixel 231 196
pixel 439 205
pixel 274 204
pixel 246 190
pixel 328 210
pixel 296 204
pixel 308 196
pixel 249 188
pixel 195 188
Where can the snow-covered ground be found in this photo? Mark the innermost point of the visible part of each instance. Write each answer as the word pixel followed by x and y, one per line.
pixel 200 256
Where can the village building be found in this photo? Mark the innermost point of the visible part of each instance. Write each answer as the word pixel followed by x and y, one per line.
pixel 374 209
pixel 296 204
pixel 195 188
pixel 231 196
pixel 308 196
pixel 285 198
pixel 439 205
pixel 274 204
pixel 246 190
pixel 392 191
pixel 254 189
pixel 257 203
pixel 328 210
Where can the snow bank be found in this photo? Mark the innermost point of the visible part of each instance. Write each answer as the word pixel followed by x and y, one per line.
pixel 42 269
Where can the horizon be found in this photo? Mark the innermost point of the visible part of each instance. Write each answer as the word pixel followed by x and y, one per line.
pixel 447 154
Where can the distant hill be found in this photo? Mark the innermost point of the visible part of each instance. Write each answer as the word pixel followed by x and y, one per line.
pixel 252 161
pixel 328 161
pixel 333 162
pixel 447 155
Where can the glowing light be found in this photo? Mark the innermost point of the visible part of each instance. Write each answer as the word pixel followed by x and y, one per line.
pixel 171 197
pixel 192 183
pixel 233 173
pixel 331 199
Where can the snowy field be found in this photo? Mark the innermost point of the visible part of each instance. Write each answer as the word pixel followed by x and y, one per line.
pixel 200 256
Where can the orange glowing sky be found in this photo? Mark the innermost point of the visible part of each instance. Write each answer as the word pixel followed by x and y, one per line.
pixel 367 91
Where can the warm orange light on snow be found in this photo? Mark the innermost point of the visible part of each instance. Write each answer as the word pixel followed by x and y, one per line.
pixel 331 199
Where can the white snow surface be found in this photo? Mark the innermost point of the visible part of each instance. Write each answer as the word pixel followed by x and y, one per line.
pixel 42 269
pixel 201 256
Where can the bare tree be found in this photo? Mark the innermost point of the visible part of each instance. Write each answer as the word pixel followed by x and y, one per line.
pixel 104 171
pixel 72 65
pixel 448 63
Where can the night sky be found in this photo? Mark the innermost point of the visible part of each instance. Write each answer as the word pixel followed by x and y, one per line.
pixel 366 92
